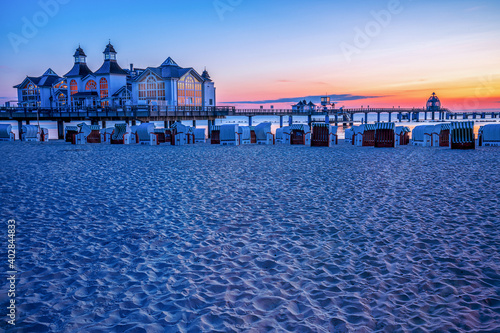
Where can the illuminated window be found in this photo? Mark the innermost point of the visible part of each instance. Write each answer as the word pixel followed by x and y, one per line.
pixel 103 86
pixel 91 85
pixel 61 85
pixel 152 89
pixel 31 95
pixel 61 99
pixel 73 87
pixel 189 91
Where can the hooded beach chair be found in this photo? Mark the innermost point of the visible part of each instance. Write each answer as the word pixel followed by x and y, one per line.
pixel 229 135
pixel 462 135
pixel 489 135
pixel 6 133
pixel 263 135
pixel 385 135
pixel 121 135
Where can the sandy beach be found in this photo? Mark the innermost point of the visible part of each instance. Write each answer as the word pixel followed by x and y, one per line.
pixel 253 238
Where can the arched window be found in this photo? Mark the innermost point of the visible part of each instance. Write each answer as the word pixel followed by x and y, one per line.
pixel 189 91
pixel 31 94
pixel 91 85
pixel 152 89
pixel 73 87
pixel 61 85
pixel 103 86
pixel 61 99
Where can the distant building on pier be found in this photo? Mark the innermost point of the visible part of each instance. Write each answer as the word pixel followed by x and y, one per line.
pixel 433 103
pixel 166 85
pixel 303 106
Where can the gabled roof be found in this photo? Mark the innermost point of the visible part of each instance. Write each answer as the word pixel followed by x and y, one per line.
pixel 169 72
pixel 79 69
pixel 169 62
pixel 110 67
pixel 33 80
pixel 176 72
pixel 60 80
pixel 49 72
pixel 88 76
pixel 46 80
pixel 61 91
pixel 153 70
pixel 121 90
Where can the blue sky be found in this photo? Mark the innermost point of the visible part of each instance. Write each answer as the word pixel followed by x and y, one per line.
pixel 273 50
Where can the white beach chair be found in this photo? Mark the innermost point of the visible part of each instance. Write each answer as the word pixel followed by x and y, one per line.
pixel 229 135
pixel 422 135
pixel 106 134
pixel 179 132
pixel 199 135
pixel 70 132
pixel 402 135
pixel 133 134
pixel 145 134
pixel 349 136
pixel 280 135
pixel 6 133
pixel 244 135
pixel 489 135
pixel 263 134
pixel 30 133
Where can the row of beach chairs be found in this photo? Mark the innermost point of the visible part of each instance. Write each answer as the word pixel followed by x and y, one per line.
pixel 27 133
pixel 455 135
pixel 322 135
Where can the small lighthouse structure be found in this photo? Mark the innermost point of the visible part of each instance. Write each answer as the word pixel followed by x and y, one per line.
pixel 433 103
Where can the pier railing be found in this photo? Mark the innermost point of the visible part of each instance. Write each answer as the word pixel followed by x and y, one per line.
pixel 158 113
pixel 117 112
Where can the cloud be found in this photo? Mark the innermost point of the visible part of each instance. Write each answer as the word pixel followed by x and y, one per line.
pixel 314 99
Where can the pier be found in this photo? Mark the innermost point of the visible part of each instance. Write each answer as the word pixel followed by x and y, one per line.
pixel 132 114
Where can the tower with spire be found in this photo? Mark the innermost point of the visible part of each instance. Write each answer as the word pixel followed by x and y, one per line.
pixel 80 67
pixel 75 77
pixel 110 77
pixel 208 90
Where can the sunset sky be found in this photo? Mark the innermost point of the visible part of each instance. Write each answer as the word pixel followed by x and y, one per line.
pixel 365 52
